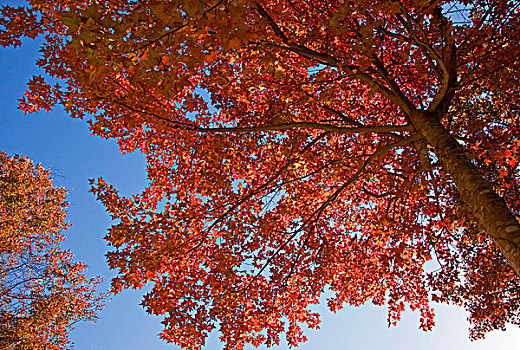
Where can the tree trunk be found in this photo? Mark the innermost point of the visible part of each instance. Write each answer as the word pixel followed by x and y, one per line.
pixel 489 209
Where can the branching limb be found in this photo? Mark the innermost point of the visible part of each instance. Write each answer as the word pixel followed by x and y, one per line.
pixel 317 213
pixel 395 96
pixel 312 126
pixel 440 68
pixel 276 127
pixel 272 23
pixel 175 30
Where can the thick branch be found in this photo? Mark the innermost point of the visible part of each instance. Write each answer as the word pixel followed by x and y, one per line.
pixel 272 23
pixel 312 126
pixel 489 209
pixel 423 43
pixel 350 69
pixel 447 71
pixel 276 127
pixel 393 94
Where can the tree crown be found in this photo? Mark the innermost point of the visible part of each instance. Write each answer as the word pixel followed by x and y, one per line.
pixel 43 291
pixel 290 151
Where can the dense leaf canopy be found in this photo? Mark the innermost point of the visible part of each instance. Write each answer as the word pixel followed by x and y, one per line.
pixel 43 291
pixel 365 148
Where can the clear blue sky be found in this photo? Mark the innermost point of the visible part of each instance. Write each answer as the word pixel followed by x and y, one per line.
pixel 67 147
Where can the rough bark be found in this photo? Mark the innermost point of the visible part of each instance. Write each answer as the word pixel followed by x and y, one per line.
pixel 489 209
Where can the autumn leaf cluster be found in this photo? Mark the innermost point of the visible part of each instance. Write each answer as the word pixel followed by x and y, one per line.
pixel 43 290
pixel 365 148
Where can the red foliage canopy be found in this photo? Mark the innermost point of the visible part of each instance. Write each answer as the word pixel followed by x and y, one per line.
pixel 368 148
pixel 43 292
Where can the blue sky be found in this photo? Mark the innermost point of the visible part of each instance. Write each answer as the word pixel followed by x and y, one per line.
pixel 67 147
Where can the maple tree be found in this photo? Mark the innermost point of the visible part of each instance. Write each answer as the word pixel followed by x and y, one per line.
pixel 366 148
pixel 43 291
